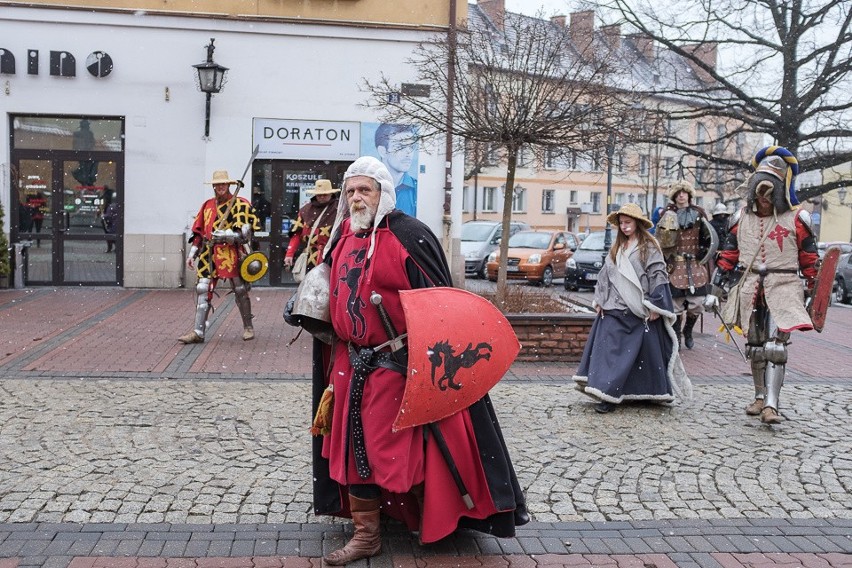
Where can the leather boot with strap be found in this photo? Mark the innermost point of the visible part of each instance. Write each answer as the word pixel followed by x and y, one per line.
pixel 687 330
pixel 367 540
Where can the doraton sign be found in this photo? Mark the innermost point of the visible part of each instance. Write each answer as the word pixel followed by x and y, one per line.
pixel 62 63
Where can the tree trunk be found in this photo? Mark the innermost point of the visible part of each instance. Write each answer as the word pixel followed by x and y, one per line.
pixel 508 193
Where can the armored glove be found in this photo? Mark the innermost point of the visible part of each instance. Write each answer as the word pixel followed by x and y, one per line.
pixel 295 321
pixel 711 303
pixel 190 258
pixel 224 236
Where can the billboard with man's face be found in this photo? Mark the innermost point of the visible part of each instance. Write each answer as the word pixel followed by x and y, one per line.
pixel 396 146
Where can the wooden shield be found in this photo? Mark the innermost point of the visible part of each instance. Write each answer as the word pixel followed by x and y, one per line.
pixel 823 287
pixel 459 346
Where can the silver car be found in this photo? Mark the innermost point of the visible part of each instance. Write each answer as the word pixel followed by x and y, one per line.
pixel 479 239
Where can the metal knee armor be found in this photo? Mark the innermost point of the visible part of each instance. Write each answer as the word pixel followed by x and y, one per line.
pixel 758 333
pixel 241 297
pixel 203 291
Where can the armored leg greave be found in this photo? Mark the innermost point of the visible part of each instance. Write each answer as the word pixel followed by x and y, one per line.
pixel 203 289
pixel 776 364
pixel 758 334
pixel 241 297
pixel 757 356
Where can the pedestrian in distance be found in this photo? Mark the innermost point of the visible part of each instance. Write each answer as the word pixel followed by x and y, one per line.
pixel 721 215
pixel 312 229
pixel 632 350
pixel 220 233
pixel 362 468
pixel 770 243
pixel 688 242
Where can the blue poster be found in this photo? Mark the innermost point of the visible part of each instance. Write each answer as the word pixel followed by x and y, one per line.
pixel 396 146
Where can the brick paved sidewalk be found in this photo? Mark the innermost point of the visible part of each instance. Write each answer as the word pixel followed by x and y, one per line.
pixel 103 333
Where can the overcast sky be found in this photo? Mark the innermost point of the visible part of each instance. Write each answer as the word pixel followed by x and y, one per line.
pixel 531 7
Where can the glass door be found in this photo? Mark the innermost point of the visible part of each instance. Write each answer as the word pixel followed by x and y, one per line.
pixel 278 187
pixel 70 214
pixel 67 177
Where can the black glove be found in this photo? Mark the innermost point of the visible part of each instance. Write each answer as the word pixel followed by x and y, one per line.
pixel 295 321
pixel 240 183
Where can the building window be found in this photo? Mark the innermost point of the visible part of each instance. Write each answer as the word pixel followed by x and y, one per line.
pixel 488 199
pixel 519 200
pixel 619 160
pixel 669 167
pixel 644 161
pixel 465 198
pixel 547 198
pixel 700 172
pixel 619 199
pixel 550 159
pixel 572 199
pixel 596 202
pixel 721 134
pixel 702 137
pixel 699 201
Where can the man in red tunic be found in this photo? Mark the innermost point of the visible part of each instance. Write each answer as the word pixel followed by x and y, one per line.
pixel 222 227
pixel 312 228
pixel 362 467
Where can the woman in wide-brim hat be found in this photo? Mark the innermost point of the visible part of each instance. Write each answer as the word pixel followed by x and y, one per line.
pixel 632 350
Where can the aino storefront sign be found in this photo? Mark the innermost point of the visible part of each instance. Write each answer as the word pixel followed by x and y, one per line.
pixel 306 139
pixel 62 63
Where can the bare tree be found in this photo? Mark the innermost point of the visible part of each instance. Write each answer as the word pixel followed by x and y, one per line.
pixel 783 73
pixel 525 85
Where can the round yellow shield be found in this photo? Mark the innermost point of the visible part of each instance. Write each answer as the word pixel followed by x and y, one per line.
pixel 254 266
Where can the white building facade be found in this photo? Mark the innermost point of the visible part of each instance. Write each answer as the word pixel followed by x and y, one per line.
pixel 103 106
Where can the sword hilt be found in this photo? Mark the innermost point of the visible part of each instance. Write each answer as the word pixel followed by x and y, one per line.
pixel 395 340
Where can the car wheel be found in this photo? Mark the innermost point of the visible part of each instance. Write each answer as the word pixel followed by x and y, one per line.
pixel 840 292
pixel 547 276
pixel 483 272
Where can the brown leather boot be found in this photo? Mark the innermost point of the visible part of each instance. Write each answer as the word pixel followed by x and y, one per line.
pixel 191 337
pixel 367 540
pixel 770 416
pixel 755 407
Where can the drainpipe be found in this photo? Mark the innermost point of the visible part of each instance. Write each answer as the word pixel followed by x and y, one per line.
pixel 448 153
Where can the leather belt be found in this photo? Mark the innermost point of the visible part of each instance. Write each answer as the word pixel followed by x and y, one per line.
pixel 364 361
pixel 775 271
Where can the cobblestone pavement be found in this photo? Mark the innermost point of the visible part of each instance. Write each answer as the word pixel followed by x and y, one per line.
pixel 121 447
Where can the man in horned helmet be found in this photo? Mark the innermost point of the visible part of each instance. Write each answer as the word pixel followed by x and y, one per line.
pixel 770 242
pixel 688 242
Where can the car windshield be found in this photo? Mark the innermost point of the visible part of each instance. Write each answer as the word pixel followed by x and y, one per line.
pixel 530 240
pixel 594 241
pixel 476 232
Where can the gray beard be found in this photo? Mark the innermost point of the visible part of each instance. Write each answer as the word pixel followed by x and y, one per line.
pixel 361 220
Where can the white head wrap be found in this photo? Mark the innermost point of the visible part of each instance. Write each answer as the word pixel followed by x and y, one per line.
pixel 372 168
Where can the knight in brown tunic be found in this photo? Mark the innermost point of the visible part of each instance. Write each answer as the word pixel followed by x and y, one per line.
pixel 688 242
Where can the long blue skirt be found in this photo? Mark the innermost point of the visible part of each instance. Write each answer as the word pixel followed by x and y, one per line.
pixel 625 360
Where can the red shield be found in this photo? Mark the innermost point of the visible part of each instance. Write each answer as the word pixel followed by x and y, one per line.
pixel 459 346
pixel 823 287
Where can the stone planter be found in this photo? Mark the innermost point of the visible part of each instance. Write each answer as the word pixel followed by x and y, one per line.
pixel 551 337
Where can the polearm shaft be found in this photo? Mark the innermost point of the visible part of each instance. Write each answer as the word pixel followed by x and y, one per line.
pixel 730 332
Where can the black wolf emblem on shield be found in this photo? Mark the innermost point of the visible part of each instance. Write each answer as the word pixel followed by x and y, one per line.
pixel 441 354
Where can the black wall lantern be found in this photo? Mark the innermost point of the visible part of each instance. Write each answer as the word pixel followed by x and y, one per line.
pixel 211 77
